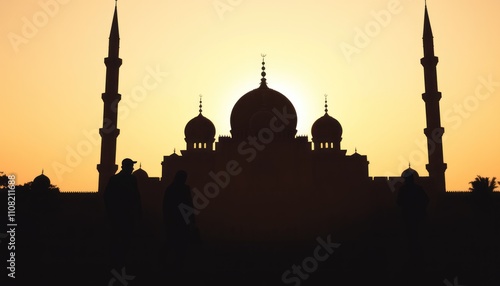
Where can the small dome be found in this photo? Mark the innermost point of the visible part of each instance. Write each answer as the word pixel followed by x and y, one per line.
pixel 200 129
pixel 409 173
pixel 41 183
pixel 140 174
pixel 326 129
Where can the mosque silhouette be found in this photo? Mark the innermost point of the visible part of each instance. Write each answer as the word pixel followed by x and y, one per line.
pixel 264 179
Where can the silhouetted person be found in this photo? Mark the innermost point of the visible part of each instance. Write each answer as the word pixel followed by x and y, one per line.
pixel 180 227
pixel 413 202
pixel 123 206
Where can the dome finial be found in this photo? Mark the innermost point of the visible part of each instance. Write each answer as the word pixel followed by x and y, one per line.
pixel 263 73
pixel 174 151
pixel 201 103
pixel 326 104
pixel 42 171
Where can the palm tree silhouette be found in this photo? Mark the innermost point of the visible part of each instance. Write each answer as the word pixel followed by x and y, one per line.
pixel 483 185
pixel 481 193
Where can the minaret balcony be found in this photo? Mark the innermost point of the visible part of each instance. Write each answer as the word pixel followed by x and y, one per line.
pixel 113 62
pixel 429 61
pixel 431 96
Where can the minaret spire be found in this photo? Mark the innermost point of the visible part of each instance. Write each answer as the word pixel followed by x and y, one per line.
pixel 428 37
pixel 109 131
pixel 114 35
pixel 434 131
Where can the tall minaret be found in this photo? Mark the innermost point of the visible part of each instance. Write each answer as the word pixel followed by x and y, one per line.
pixel 434 132
pixel 109 131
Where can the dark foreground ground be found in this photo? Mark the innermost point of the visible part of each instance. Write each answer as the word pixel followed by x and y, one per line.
pixel 461 247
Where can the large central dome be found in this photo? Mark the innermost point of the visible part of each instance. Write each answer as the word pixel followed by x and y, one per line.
pixel 263 109
pixel 256 109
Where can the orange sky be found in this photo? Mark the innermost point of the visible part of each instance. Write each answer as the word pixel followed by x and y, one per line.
pixel 365 56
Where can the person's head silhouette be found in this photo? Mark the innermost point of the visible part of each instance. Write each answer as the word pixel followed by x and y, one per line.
pixel 180 177
pixel 128 165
